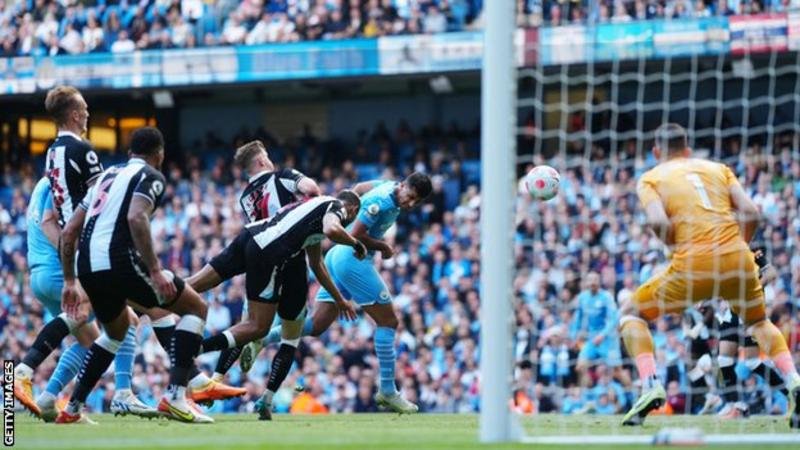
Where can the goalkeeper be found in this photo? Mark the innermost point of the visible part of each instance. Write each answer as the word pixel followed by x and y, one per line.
pixel 700 210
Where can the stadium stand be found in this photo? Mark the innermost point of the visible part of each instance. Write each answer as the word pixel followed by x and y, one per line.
pixel 50 27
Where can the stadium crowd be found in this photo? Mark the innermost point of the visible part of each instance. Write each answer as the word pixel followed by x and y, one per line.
pixel 51 27
pixel 592 226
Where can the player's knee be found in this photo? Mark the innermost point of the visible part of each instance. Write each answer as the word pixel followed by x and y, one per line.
pixel 391 322
pixel 258 329
pixel 198 307
pixel 116 332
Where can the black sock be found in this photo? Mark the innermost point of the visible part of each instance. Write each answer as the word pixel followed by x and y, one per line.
pixel 227 359
pixel 771 376
pixel 185 346
pixel 94 366
pixel 728 388
pixel 193 371
pixel 46 341
pixel 164 336
pixel 280 366
pixel 699 388
pixel 214 343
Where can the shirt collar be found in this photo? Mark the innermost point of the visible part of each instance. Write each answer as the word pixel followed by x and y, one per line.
pixel 68 133
pixel 256 176
pixel 137 160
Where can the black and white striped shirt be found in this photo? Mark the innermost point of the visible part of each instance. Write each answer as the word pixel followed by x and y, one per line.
pixel 72 165
pixel 267 192
pixel 106 242
pixel 294 227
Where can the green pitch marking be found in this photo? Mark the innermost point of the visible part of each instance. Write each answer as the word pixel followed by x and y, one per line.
pixel 357 432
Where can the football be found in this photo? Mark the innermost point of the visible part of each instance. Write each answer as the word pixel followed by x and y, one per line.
pixel 542 182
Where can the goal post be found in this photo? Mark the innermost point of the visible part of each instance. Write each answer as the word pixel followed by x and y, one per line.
pixel 498 159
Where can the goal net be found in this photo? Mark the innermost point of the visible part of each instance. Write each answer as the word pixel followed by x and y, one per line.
pixel 594 121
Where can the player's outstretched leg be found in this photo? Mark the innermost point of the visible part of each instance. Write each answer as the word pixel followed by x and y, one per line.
pixel 281 365
pixel 202 389
pixel 125 401
pixel 185 344
pixel 312 326
pixel 730 391
pixel 639 343
pixel 97 360
pixel 46 341
pixel 772 342
pixel 388 396
pixel 292 331
pixel 67 368
pixel 768 373
pixel 227 358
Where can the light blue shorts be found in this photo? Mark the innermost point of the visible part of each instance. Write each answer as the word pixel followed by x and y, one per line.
pixel 357 280
pixel 608 352
pixel 46 284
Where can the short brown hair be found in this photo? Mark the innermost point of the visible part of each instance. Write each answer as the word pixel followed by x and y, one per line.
pixel 672 138
pixel 245 154
pixel 59 101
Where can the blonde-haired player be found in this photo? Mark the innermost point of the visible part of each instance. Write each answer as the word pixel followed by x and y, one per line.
pixel 699 209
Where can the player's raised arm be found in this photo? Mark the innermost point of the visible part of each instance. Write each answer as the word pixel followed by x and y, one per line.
pixel 747 212
pixel 360 231
pixel 299 184
pixel 366 186
pixel 334 221
pixel 333 229
pixel 308 187
pixel 346 308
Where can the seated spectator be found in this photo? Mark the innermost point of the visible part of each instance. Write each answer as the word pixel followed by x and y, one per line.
pixel 181 31
pixel 434 21
pixel 72 42
pixel 93 35
pixel 234 32
pixel 123 44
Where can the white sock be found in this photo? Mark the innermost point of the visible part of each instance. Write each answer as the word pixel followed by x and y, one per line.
pixel 179 393
pixel 46 397
pixel 229 336
pixel 218 377
pixel 199 380
pixel 23 370
pixel 74 407
pixel 123 393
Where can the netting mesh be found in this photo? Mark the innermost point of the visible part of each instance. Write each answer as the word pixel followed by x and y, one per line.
pixel 595 123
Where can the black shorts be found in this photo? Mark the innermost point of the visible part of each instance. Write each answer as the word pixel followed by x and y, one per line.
pixel 267 279
pixel 699 347
pixel 109 290
pixel 732 330
pixel 231 261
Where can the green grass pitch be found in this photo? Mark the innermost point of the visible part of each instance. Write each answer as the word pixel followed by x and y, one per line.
pixel 359 431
